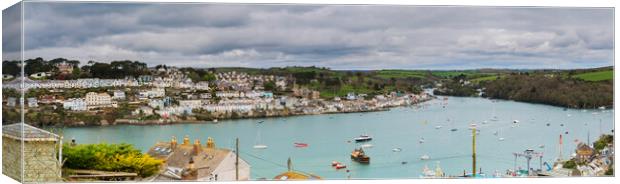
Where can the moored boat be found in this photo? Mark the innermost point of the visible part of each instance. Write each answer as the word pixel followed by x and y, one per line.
pixel 363 138
pixel 358 155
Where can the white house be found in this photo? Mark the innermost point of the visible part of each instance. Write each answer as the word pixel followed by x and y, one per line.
pixel 10 101
pixel 190 103
pixel 75 104
pixel 156 92
pixel 119 95
pixel 32 102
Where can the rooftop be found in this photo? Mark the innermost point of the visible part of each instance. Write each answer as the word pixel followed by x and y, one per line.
pixel 206 161
pixel 294 175
pixel 30 133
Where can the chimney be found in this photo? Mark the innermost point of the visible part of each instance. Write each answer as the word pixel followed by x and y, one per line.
pixel 196 149
pixel 173 142
pixel 186 140
pixel 210 143
pixel 190 167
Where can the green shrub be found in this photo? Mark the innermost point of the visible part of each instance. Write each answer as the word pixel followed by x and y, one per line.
pixel 110 157
pixel 570 164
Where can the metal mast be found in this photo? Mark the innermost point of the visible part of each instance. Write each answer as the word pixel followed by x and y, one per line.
pixel 473 149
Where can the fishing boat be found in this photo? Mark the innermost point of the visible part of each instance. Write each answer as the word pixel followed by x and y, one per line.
pixel 358 155
pixel 363 138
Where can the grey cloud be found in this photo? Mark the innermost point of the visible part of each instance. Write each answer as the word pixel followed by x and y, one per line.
pixel 335 36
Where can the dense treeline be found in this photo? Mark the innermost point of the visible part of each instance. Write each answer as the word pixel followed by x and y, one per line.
pixel 114 69
pixel 553 90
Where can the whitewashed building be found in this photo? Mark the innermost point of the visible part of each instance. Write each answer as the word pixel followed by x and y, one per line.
pixel 94 100
pixel 75 104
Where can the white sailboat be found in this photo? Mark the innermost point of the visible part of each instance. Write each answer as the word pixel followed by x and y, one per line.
pixel 500 138
pixel 258 144
pixel 494 118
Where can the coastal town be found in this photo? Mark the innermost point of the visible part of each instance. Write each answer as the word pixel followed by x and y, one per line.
pixel 168 95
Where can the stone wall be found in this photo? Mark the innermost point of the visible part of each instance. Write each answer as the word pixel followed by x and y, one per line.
pixel 11 158
pixel 40 160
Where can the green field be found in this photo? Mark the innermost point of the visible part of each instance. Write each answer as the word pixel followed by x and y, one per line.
pixel 596 76
pixel 487 78
pixel 387 74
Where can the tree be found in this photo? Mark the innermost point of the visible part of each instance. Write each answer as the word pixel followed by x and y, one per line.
pixel 270 86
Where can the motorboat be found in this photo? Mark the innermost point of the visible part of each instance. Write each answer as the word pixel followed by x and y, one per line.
pixel 425 157
pixel 396 150
pixel 363 138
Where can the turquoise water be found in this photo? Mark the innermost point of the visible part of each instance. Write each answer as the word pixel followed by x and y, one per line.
pixel 402 127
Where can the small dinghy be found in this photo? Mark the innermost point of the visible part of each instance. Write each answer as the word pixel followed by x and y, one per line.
pixel 300 145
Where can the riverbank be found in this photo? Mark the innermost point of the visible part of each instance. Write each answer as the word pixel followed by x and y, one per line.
pixel 213 118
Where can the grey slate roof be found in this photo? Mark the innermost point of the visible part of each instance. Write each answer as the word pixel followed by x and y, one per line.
pixel 30 133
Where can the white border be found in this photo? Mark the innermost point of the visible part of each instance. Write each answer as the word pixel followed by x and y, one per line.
pixel 547 3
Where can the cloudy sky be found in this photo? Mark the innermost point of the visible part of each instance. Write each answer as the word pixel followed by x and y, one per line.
pixel 339 37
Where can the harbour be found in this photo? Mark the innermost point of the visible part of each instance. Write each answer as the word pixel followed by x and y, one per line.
pixel 397 149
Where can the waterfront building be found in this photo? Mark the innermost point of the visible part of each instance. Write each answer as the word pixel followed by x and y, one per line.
pixel 119 95
pixel 75 104
pixel 32 102
pixel 156 93
pixel 195 162
pixel 156 103
pixel 41 154
pixel 190 103
pixel 351 96
pixel 94 100
pixel 143 110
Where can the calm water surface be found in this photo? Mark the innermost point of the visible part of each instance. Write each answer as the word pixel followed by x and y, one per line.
pixel 403 127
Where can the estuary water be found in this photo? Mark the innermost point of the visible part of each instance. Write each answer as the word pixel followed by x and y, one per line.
pixel 330 137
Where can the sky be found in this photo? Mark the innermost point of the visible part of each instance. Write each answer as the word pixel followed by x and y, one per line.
pixel 348 37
